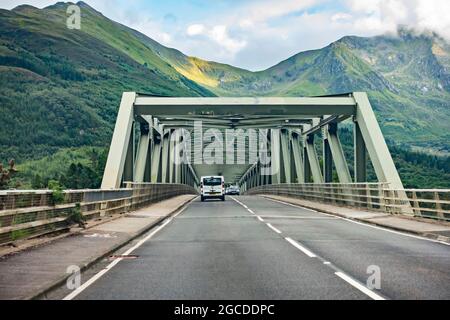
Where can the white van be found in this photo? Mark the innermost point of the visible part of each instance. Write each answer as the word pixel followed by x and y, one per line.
pixel 212 187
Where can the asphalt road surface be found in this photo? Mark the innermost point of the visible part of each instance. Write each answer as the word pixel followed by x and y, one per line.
pixel 249 247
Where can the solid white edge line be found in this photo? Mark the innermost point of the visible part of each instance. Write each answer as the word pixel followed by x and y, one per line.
pixel 98 275
pixel 273 228
pixel 300 247
pixel 359 286
pixel 362 223
pixel 394 231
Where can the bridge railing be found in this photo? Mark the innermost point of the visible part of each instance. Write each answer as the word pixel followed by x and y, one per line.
pixel 27 214
pixel 427 203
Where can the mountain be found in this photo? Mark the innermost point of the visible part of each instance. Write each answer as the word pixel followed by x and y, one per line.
pixel 60 88
pixel 407 78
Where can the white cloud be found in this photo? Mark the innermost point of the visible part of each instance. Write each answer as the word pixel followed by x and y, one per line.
pixel 195 29
pixel 341 16
pixel 434 16
pixel 219 35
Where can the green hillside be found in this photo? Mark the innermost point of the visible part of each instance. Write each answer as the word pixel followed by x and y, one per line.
pixel 60 89
pixel 407 79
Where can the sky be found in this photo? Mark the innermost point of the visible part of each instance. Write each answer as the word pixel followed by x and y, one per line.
pixel 256 34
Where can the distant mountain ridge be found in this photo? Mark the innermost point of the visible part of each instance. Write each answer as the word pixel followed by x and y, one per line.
pixel 64 86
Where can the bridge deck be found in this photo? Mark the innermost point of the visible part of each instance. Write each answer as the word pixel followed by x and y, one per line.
pixel 239 249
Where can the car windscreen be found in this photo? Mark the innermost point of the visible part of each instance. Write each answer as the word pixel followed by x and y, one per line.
pixel 212 181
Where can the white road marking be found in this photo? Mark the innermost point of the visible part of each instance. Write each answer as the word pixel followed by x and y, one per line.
pixel 359 286
pixel 273 228
pixel 300 247
pixel 260 219
pixel 326 262
pixel 361 223
pixel 394 231
pixel 97 276
pixel 250 210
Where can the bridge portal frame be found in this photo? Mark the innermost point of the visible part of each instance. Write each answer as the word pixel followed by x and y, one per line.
pixel 293 124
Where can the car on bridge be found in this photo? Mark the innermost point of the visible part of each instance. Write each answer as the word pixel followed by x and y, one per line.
pixel 233 190
pixel 212 187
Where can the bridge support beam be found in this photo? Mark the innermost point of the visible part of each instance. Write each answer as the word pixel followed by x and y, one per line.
pixel 369 132
pixel 120 144
pixel 171 158
pixel 298 161
pixel 177 162
pixel 313 160
pixel 337 153
pixel 286 156
pixel 327 161
pixel 165 156
pixel 275 152
pixel 360 154
pixel 142 153
pixel 156 160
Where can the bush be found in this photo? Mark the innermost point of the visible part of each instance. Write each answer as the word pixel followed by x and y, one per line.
pixel 57 192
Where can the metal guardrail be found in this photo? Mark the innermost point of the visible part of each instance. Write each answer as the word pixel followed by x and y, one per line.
pixel 427 203
pixel 27 214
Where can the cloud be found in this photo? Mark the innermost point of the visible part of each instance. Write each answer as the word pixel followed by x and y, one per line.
pixel 259 34
pixel 256 34
pixel 220 36
pixel 195 29
pixel 434 16
pixel 340 16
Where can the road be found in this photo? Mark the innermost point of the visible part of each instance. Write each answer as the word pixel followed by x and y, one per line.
pixel 254 248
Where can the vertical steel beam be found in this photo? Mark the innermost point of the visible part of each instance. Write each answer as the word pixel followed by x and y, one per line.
pixel 120 142
pixel 172 158
pixel 306 166
pixel 156 160
pixel 177 163
pixel 142 153
pixel 327 161
pixel 275 154
pixel 128 170
pixel 165 156
pixel 360 154
pixel 286 157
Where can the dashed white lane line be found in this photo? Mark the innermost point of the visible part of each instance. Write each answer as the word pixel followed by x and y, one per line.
pixel 273 228
pixel 300 247
pixel 250 210
pixel 359 286
pixel 98 275
pixel 310 254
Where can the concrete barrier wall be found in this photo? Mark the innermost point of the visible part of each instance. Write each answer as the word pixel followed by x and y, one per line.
pixel 28 214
